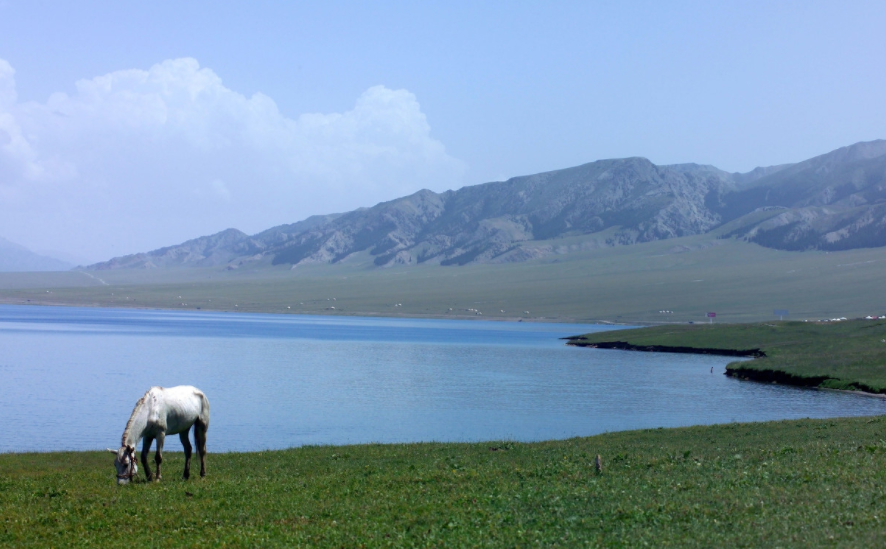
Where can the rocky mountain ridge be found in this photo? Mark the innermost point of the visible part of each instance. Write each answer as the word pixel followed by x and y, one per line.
pixel 833 201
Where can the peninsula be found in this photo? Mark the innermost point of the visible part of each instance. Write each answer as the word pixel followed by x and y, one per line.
pixel 847 355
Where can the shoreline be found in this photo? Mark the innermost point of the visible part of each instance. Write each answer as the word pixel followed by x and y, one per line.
pixel 625 346
pixel 819 380
pixel 416 316
pixel 741 374
pixel 856 393
pixel 628 433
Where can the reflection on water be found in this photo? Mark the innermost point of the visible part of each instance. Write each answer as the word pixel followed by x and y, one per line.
pixel 69 378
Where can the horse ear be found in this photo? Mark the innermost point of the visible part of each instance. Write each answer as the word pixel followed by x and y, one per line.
pixel 112 451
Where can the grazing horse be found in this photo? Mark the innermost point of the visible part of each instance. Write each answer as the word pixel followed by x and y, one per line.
pixel 159 413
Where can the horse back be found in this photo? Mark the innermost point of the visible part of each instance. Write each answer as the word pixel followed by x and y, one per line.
pixel 180 407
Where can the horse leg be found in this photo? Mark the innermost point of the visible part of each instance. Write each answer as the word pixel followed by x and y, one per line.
pixel 146 449
pixel 200 439
pixel 158 457
pixel 183 436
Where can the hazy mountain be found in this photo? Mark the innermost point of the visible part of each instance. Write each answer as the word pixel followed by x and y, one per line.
pixel 833 201
pixel 16 258
pixel 210 250
pixel 487 222
pixel 216 249
pixel 65 257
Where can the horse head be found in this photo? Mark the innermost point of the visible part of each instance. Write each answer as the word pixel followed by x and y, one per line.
pixel 125 463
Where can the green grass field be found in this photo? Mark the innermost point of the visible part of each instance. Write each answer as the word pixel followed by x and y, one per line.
pixel 838 355
pixel 809 483
pixel 690 276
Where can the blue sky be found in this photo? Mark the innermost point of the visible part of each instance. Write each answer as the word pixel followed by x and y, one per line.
pixel 347 104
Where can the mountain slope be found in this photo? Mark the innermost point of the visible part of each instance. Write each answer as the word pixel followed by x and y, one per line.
pixel 215 249
pixel 833 201
pixel 16 258
pixel 638 199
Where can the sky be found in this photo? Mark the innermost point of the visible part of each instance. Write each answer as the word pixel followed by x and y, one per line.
pixel 129 126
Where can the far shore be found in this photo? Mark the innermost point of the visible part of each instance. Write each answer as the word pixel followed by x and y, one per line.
pixel 372 314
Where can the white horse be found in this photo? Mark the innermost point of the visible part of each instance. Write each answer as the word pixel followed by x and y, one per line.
pixel 159 413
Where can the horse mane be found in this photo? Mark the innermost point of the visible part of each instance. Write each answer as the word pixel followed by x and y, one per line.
pixel 139 404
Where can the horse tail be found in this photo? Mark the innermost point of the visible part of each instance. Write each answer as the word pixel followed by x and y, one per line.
pixel 203 417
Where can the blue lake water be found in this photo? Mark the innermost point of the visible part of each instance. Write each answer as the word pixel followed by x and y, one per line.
pixel 69 378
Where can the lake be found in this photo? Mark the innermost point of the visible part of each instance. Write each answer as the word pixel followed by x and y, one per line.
pixel 70 377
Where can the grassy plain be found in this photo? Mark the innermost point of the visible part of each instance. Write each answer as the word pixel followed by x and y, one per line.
pixel 690 276
pixel 838 355
pixel 809 483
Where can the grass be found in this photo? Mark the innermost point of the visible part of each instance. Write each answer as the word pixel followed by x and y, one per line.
pixel 690 276
pixel 808 483
pixel 839 355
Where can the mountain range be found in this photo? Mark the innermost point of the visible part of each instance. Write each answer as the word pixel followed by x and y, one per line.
pixel 17 258
pixel 835 201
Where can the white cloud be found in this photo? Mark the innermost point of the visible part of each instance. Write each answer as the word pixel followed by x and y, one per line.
pixel 17 158
pixel 136 159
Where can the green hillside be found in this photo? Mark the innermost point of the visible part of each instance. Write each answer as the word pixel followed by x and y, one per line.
pixel 689 276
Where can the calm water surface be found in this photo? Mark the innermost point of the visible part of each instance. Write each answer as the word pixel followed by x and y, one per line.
pixel 69 378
